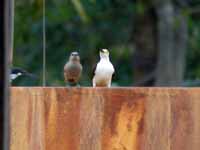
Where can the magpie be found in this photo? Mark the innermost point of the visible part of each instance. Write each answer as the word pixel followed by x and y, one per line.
pixel 17 72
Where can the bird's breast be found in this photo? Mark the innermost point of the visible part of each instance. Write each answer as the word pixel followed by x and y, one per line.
pixel 105 69
pixel 72 71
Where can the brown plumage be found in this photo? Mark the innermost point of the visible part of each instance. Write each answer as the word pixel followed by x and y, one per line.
pixel 73 69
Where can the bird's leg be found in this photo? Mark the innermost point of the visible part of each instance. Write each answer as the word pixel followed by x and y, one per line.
pixel 93 83
pixel 109 83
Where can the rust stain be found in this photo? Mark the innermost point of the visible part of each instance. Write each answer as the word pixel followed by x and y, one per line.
pixel 155 135
pixel 37 140
pixel 182 121
pixel 91 120
pixel 104 119
pixel 51 124
pixel 62 120
pixel 127 127
pixel 18 120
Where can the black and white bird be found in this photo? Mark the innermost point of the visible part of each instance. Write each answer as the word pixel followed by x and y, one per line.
pixel 73 70
pixel 17 72
pixel 104 70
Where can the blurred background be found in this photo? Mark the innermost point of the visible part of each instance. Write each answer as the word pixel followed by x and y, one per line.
pixel 151 42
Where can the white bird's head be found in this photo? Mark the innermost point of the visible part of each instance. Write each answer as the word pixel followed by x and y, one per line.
pixel 104 54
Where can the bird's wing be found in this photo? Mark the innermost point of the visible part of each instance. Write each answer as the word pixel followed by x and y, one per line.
pixel 81 67
pixel 114 73
pixel 94 67
pixel 15 70
pixel 65 71
pixel 65 66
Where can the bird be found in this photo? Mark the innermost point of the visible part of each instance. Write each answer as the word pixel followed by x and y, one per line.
pixel 73 70
pixel 17 72
pixel 104 70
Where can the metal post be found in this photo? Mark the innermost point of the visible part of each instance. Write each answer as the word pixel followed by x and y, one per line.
pixel 2 50
pixel 8 16
pixel 9 20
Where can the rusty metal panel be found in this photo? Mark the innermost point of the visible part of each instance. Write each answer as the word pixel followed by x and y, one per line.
pixel 105 119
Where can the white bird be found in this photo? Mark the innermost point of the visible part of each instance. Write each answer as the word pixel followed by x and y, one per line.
pixel 104 70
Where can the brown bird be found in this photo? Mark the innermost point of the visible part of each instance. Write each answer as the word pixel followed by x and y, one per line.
pixel 73 70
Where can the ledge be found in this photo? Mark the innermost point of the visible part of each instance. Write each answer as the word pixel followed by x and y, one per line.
pixel 104 119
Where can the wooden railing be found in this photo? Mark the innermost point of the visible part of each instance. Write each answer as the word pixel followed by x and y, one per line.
pixel 104 119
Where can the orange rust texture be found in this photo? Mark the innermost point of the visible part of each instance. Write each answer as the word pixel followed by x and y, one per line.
pixel 62 120
pixel 123 119
pixel 104 119
pixel 156 133
pixel 44 119
pixel 185 129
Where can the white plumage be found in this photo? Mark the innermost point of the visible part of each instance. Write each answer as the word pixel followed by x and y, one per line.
pixel 14 76
pixel 104 70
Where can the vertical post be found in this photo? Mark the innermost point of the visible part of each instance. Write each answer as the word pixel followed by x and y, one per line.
pixel 2 51
pixel 44 42
pixel 7 27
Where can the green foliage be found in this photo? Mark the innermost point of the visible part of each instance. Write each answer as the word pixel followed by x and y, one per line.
pixel 193 61
pixel 73 26
pixel 84 26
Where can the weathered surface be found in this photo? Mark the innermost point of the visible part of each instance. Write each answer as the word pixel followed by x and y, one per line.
pixel 104 119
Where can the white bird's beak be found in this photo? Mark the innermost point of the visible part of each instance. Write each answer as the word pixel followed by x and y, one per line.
pixel 104 54
pixel 105 51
